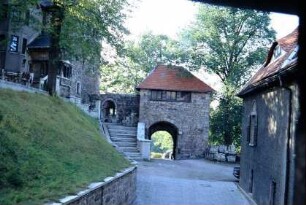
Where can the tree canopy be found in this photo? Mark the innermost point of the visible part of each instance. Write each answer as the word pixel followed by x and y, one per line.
pixel 229 42
pixel 138 58
pixel 89 23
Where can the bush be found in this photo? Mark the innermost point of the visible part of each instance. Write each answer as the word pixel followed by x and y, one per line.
pixel 156 155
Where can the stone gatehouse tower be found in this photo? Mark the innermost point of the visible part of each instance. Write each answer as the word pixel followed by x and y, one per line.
pixel 174 100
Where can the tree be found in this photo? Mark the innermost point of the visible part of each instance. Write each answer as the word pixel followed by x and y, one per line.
pixel 225 121
pixel 162 142
pixel 231 43
pixel 137 60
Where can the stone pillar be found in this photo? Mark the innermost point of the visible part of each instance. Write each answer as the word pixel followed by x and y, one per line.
pixel 57 86
pixel 141 131
pixel 145 148
pixel 98 106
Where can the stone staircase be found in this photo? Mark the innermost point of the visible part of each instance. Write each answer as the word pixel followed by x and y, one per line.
pixel 126 139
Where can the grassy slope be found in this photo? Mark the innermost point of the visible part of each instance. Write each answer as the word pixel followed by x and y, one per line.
pixel 49 148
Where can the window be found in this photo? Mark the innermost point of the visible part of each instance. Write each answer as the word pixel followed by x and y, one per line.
pixel 66 71
pixel 156 95
pixel 252 127
pixel 163 95
pixel 2 43
pixel 24 45
pixel 24 63
pixel 78 88
pixel 184 96
pixel 277 51
pixel 14 44
pixel 251 181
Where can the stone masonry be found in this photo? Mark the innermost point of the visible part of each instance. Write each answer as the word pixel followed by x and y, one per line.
pixel 190 118
pixel 126 106
pixel 120 189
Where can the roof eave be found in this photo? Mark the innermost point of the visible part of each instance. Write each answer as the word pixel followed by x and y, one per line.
pixel 266 82
pixel 179 90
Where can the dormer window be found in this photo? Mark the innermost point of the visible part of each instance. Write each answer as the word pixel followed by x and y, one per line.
pixel 277 51
pixel 293 56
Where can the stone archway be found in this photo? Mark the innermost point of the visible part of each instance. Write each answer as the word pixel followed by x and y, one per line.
pixel 168 127
pixel 109 111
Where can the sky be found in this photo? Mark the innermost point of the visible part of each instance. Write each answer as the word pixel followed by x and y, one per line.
pixel 169 16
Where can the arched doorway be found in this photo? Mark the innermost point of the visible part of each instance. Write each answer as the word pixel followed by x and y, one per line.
pixel 109 111
pixel 168 128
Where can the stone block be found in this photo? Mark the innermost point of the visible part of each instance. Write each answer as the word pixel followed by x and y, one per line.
pixel 221 157
pixel 231 158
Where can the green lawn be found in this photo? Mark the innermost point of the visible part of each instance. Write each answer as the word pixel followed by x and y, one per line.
pixel 49 148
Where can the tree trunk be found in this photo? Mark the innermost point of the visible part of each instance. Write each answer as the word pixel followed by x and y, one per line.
pixel 55 52
pixel 227 125
pixel 227 130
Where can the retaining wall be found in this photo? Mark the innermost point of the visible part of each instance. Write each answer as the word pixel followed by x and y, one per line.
pixel 120 189
pixel 18 87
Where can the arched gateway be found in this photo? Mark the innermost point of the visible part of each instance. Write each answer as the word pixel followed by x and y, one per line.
pixel 109 111
pixel 168 127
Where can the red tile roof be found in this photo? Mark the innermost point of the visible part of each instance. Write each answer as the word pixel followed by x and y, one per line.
pixel 271 68
pixel 173 78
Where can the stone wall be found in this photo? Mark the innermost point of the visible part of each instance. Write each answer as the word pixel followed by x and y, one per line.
pixel 127 108
pixel 91 109
pixel 87 76
pixel 120 189
pixel 190 118
pixel 221 153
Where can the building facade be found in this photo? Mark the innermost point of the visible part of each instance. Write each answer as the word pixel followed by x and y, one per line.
pixel 173 100
pixel 268 126
pixel 24 55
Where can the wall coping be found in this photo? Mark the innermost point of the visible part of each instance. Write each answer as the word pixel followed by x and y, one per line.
pixel 92 187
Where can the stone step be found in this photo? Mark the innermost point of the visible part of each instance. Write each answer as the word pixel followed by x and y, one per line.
pixel 126 140
pixel 122 133
pixel 138 158
pixel 129 149
pixel 124 136
pixel 133 154
pixel 122 139
pixel 112 127
pixel 126 144
pixel 122 128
